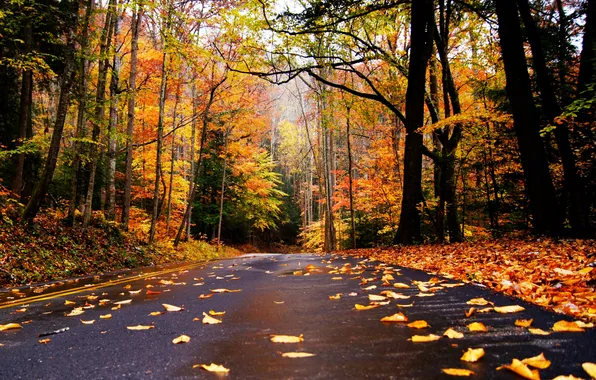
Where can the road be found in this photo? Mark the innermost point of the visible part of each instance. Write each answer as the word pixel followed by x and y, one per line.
pixel 273 294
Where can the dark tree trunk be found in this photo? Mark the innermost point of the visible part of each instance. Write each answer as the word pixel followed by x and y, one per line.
pixel 539 186
pixel 421 48
pixel 113 123
pixel 351 182
pixel 41 189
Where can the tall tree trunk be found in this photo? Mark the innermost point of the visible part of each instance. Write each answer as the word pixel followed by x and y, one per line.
pixel 193 140
pixel 223 187
pixel 81 128
pixel 41 189
pixel 540 189
pixel 351 181
pixel 134 49
pixel 113 123
pixel 24 112
pixel 421 47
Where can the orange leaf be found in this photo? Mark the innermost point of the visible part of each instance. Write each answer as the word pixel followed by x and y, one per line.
pixel 478 302
pixel 452 334
pixel 420 324
pixel 477 327
pixel 565 326
pixel 10 326
pixel 524 322
pixel 365 307
pixel 457 371
pixel 212 368
pixel 44 341
pixel 536 331
pixel 522 370
pixel 538 361
pixel 424 338
pixel 151 292
pixel 472 355
pixel 287 338
pixel 398 317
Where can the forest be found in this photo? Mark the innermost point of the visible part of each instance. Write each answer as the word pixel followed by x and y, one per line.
pixel 327 125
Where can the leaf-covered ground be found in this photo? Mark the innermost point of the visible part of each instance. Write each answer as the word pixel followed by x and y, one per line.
pixel 51 250
pixel 558 275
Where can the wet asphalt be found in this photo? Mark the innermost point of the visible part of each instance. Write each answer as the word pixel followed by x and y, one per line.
pixel 275 297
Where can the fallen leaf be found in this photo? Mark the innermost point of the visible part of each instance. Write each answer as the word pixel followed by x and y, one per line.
pixel 398 317
pixel 405 305
pixel 478 302
pixel 117 307
pixel 425 295
pixel 21 310
pixel 477 327
pixel 68 303
pixel 155 313
pixel 538 361
pixel 372 287
pixel 287 338
pixel 225 290
pixel 365 307
pixel 374 297
pixel 76 311
pixel 401 285
pixel 568 377
pixel 105 316
pixel 297 355
pixel 565 326
pixel 537 331
pixel 470 312
pixel 524 322
pixel 584 325
pixel 336 278
pixel 90 322
pixel 181 339
pixel 424 338
pixel 152 292
pixel 133 292
pixel 521 369
pixel 169 307
pixel 212 368
pixel 10 326
pixel 452 334
pixel 420 324
pixel 279 302
pixel 509 309
pixel 208 320
pixel 203 296
pixel 457 371
pixel 472 355
pixel 216 313
pixel 590 369
pixel 44 341
pixel 124 302
pixel 335 297
pixel 140 327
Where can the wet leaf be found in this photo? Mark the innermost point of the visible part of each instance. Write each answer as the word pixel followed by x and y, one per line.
pixel 337 278
pixel 397 317
pixel 372 287
pixel 509 309
pixel 425 295
pixel 452 334
pixel 140 327
pixel 117 307
pixel 420 324
pixel 10 326
pixel 470 312
pixel 374 297
pixel 335 297
pixel 152 292
pixel 565 326
pixel 538 361
pixel 477 327
pixel 181 339
pixel 21 310
pixel 365 307
pixel 169 307
pixel 297 355
pixel 216 313
pixel 203 296
pixel 521 369
pixel 90 322
pixel 134 292
pixel 287 338
pixel 226 290
pixel 155 313
pixel 478 302
pixel 457 371
pixel 401 285
pixel 105 316
pixel 537 331
pixel 44 341
pixel 584 325
pixel 76 311
pixel 208 320
pixel 68 303
pixel 124 302
pixel 212 368
pixel 405 305
pixel 279 302
pixel 472 355
pixel 524 322
pixel 590 369
pixel 424 338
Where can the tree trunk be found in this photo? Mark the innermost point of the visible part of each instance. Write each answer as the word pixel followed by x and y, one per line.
pixel 351 182
pixel 41 189
pixel 421 48
pixel 223 187
pixel 539 186
pixel 172 153
pixel 24 113
pixel 113 124
pixel 193 140
pixel 134 49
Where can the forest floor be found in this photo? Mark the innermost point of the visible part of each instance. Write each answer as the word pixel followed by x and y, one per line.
pixel 51 250
pixel 559 275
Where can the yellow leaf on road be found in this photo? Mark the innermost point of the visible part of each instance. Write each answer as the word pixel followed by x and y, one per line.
pixel 365 307
pixel 335 297
pixel 10 326
pixel 477 327
pixel 226 290
pixel 76 311
pixel 537 331
pixel 401 285
pixel 181 339
pixel 590 369
pixel 478 302
pixel 457 371
pixel 169 307
pixel 208 320
pixel 68 303
pixel 420 324
pixel 538 361
pixel 472 355
pixel 212 368
pixel 88 322
pixel 452 334
pixel 44 341
pixel 155 313
pixel 140 327
pixel 297 355
pixel 568 377
pixel 124 302
pixel 424 338
pixel 521 369
pixel 105 316
pixel 565 326
pixel 508 309
pixel 374 297
pixel 397 317
pixel 216 313
pixel 524 322
pixel 287 338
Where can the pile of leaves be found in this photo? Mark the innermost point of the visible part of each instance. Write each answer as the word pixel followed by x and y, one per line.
pixel 50 249
pixel 559 275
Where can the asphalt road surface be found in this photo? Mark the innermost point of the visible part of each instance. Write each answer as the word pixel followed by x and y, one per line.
pixel 272 294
